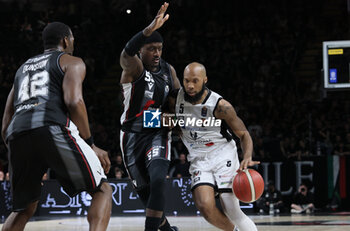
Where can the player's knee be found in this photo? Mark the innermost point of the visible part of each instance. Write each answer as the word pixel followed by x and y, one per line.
pixel 205 207
pixel 106 189
pixel 205 210
pixel 30 210
pixel 157 184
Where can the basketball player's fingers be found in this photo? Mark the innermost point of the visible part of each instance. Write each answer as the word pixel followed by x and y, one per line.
pixel 163 8
pixel 166 17
pixel 104 164
pixel 243 165
pixel 108 164
pixel 252 163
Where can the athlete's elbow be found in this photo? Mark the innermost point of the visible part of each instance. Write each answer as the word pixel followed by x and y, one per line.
pixel 74 104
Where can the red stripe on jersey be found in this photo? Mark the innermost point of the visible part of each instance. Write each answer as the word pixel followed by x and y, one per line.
pixel 147 105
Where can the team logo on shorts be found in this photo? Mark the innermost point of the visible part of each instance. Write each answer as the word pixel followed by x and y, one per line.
pixel 151 118
pixel 194 135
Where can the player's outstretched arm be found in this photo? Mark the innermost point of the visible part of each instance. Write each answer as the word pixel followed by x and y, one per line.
pixel 8 113
pixel 226 112
pixel 129 61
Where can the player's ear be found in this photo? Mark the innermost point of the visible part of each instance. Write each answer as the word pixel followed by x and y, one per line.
pixel 205 79
pixel 65 42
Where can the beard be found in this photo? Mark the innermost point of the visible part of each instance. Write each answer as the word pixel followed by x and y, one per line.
pixel 196 97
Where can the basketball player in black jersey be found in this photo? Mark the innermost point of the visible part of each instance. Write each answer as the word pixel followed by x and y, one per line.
pixel 146 81
pixel 44 125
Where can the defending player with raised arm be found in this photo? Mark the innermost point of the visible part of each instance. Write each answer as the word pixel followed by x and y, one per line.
pixel 212 150
pixel 45 125
pixel 146 82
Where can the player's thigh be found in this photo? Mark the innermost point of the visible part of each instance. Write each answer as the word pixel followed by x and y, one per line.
pixel 158 146
pixel 200 175
pixel 26 168
pixel 133 146
pixel 226 166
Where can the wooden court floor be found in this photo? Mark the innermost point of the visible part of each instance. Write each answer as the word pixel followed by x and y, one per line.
pixel 264 223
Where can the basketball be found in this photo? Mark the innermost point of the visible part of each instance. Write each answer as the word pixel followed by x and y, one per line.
pixel 248 185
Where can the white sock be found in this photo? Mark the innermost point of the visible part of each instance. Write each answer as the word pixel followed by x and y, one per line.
pixel 230 205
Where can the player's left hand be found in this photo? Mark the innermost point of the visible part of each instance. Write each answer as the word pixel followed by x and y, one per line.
pixel 158 21
pixel 248 162
pixel 103 157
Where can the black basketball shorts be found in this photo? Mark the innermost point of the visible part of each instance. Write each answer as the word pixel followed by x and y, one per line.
pixel 139 149
pixel 60 148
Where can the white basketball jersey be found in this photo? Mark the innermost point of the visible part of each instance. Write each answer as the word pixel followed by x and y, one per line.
pixel 201 131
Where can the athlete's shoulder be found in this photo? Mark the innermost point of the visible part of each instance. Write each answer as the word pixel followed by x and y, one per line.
pixel 215 94
pixel 72 59
pixel 67 60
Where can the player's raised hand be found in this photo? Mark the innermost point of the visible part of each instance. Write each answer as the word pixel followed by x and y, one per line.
pixel 158 21
pixel 248 162
pixel 103 157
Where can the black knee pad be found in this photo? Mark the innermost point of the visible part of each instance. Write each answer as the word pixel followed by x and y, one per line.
pixel 143 194
pixel 157 171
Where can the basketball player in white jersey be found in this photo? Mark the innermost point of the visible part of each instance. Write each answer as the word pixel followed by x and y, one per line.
pixel 212 151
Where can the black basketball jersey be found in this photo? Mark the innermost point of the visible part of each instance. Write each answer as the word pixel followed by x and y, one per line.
pixel 149 91
pixel 38 94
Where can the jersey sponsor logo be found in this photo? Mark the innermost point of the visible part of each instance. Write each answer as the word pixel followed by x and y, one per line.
pixel 149 94
pixel 225 176
pixel 226 182
pixel 196 179
pixel 26 107
pixel 151 118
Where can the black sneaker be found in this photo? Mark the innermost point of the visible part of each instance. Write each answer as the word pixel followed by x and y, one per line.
pixel 174 228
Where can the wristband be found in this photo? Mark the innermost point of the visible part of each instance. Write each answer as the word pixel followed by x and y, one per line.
pixel 89 141
pixel 135 43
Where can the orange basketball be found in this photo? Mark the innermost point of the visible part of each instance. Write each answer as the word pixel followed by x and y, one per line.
pixel 248 185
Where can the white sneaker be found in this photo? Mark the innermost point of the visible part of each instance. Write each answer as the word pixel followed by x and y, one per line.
pixel 295 211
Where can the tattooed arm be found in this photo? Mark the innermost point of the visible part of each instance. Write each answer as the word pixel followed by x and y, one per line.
pixel 225 111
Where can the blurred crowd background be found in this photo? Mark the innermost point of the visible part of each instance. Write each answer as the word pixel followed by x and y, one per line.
pixel 265 57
